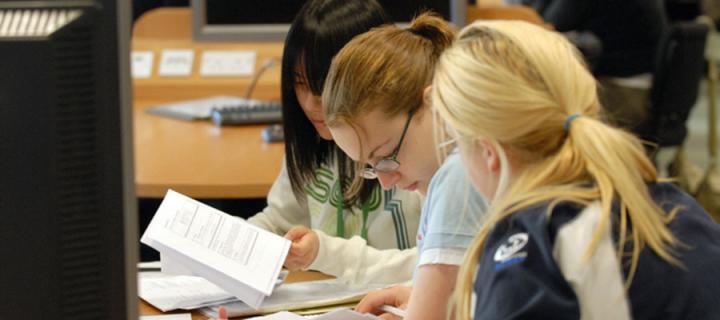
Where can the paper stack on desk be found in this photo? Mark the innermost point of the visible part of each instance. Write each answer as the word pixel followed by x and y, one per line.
pixel 168 292
pixel 340 314
pixel 236 256
pixel 171 292
pixel 299 295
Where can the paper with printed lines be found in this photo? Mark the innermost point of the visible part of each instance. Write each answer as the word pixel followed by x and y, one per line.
pixel 238 257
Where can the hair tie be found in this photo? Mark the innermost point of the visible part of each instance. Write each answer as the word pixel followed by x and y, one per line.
pixel 569 120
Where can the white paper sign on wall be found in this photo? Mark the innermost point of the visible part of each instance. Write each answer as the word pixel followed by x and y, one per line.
pixel 176 62
pixel 227 63
pixel 142 63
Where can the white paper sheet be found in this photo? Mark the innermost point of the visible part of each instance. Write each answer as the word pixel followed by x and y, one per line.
pixel 168 293
pixel 340 314
pixel 141 64
pixel 238 257
pixel 345 314
pixel 299 295
pixel 227 63
pixel 176 62
pixel 181 316
pixel 284 315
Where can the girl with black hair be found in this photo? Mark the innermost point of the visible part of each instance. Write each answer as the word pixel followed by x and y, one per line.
pixel 367 238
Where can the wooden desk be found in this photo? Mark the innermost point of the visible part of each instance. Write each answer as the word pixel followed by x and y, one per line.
pixel 197 158
pixel 300 276
pixel 200 159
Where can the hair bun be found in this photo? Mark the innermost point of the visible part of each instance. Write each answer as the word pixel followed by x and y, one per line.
pixel 431 26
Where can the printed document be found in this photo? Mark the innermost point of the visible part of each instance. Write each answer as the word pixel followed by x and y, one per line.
pixel 169 292
pixel 340 314
pixel 238 257
pixel 299 295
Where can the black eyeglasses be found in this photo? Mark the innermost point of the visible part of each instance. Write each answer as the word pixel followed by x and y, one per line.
pixel 388 164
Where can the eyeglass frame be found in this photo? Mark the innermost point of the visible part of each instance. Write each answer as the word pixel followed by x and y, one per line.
pixel 370 172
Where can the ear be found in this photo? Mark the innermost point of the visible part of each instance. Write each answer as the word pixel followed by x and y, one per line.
pixel 489 154
pixel 426 95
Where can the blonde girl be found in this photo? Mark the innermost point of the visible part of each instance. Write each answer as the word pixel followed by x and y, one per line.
pixel 579 227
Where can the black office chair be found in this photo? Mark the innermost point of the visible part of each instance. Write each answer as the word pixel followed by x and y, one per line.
pixel 679 66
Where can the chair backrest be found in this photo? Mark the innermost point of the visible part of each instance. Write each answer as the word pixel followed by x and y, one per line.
pixel 679 67
pixel 505 12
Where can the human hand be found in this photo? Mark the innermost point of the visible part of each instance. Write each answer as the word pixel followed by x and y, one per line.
pixel 222 313
pixel 304 249
pixel 397 296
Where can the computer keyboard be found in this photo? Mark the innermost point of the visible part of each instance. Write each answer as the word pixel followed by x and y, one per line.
pixel 250 112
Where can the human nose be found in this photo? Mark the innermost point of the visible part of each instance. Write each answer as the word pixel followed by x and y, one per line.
pixel 388 179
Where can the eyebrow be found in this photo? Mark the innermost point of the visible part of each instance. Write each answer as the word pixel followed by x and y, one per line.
pixel 372 153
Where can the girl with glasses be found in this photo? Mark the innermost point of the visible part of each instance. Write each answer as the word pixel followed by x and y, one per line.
pixel 375 107
pixel 580 225
pixel 357 239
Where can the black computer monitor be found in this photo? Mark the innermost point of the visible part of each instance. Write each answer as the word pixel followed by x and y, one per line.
pixel 261 20
pixel 68 229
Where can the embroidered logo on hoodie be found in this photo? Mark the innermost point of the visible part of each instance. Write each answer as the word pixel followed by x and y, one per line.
pixel 510 252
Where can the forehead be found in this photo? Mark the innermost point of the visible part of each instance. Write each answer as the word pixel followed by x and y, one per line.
pixel 368 132
pixel 348 139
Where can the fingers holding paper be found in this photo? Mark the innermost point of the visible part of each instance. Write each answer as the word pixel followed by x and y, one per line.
pixel 304 248
pixel 397 296
pixel 222 313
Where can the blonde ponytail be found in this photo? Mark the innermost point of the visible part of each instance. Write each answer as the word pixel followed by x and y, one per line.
pixel 518 84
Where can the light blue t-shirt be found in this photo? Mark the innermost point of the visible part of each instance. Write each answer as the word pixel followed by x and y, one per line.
pixel 451 216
